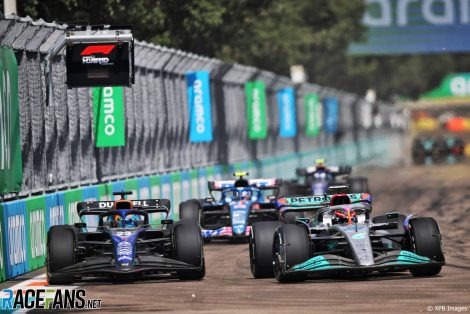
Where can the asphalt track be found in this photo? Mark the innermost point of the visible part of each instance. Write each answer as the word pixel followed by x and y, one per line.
pixel 442 192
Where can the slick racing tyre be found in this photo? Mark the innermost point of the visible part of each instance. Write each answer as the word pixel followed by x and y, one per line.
pixel 261 248
pixel 60 253
pixel 291 247
pixel 358 185
pixel 426 241
pixel 190 211
pixel 290 217
pixel 187 242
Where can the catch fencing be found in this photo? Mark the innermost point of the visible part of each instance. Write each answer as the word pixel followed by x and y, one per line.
pixel 57 139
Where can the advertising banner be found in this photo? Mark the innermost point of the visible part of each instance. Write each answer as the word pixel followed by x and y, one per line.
pixel 36 231
pixel 54 211
pixel 330 116
pixel 256 110
pixel 453 85
pixel 108 109
pixel 166 191
pixel 287 115
pixel 69 201
pixel 16 241
pixel 411 26
pixel 11 166
pixel 175 193
pixel 313 114
pixel 199 102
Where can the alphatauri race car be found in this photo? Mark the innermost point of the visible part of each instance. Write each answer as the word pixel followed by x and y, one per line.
pixel 334 235
pixel 123 244
pixel 238 204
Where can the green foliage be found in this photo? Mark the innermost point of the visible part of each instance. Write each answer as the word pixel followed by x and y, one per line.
pixel 269 34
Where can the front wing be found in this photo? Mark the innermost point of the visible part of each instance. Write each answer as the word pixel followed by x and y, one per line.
pixel 107 266
pixel 392 261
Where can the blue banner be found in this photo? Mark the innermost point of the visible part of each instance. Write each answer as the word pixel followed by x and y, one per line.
pixel 399 26
pixel 199 102
pixel 330 114
pixel 287 117
pixel 14 214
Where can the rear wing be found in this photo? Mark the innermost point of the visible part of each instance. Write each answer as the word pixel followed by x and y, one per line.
pixel 316 201
pixel 148 205
pixel 335 170
pixel 262 184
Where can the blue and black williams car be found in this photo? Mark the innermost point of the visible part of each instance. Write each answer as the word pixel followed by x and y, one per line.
pixel 124 244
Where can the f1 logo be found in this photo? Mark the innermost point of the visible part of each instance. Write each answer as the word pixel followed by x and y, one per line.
pixel 102 49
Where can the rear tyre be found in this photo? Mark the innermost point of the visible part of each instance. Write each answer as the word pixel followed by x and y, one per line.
pixel 291 247
pixel 61 242
pixel 426 241
pixel 358 185
pixel 188 248
pixel 190 211
pixel 261 248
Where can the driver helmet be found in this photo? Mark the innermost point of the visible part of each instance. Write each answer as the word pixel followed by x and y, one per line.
pixel 128 222
pixel 320 164
pixel 245 194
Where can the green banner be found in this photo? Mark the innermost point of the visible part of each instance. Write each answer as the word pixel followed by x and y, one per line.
pixel 453 85
pixel 108 108
pixel 256 110
pixel 11 166
pixel 312 110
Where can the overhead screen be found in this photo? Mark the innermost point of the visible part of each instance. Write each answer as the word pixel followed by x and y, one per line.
pixel 414 26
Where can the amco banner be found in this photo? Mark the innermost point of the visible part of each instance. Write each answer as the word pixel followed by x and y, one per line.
pixel 11 169
pixel 287 116
pixel 415 26
pixel 108 110
pixel 199 102
pixel 313 114
pixel 256 110
pixel 330 116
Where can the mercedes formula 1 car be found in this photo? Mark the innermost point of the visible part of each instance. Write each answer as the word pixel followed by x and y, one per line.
pixel 335 236
pixel 317 179
pixel 124 244
pixel 234 206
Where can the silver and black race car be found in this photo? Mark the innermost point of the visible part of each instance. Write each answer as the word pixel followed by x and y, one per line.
pixel 334 235
pixel 124 244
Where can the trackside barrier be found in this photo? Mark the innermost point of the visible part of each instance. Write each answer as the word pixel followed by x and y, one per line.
pixel 24 223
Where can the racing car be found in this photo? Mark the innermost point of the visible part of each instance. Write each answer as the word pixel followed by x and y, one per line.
pixel 233 207
pixel 317 179
pixel 335 236
pixel 437 148
pixel 123 244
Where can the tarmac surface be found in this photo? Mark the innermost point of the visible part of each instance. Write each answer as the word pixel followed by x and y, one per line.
pixel 441 191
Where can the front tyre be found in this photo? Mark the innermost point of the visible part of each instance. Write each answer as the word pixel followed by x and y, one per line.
pixel 426 241
pixel 61 243
pixel 188 248
pixel 291 247
pixel 261 248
